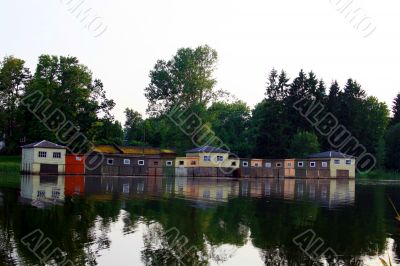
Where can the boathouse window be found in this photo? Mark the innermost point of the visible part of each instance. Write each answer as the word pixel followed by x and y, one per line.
pixel 245 164
pixel 220 158
pixel 110 161
pixel 55 193
pixel 155 163
pixel 207 158
pixel 141 162
pixel 256 165
pixel 192 162
pixel 324 164
pixel 278 164
pixel 41 193
pixel 312 164
pixel 337 161
pixel 127 161
pixel 268 165
pixel 289 164
pixel 348 162
pixel 125 188
pixel 169 163
pixel 181 162
pixel 233 164
pixel 56 154
pixel 42 154
pixel 300 164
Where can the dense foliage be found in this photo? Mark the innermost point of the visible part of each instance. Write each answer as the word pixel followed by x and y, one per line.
pixel 185 110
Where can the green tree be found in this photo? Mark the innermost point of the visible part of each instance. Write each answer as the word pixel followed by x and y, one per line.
pixel 396 110
pixel 303 144
pixel 185 80
pixel 14 77
pixel 230 122
pixel 268 130
pixel 393 148
pixel 69 86
pixel 109 132
pixel 134 127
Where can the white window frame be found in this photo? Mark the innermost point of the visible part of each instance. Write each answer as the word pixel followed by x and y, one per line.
pixel 336 161
pixel 207 158
pixel 168 163
pixel 245 164
pixel 58 155
pixel 300 164
pixel 313 164
pixel 127 161
pixel 325 164
pixel 42 154
pixel 220 158
pixel 140 162
pixel 268 165
pixel 348 160
pixel 110 160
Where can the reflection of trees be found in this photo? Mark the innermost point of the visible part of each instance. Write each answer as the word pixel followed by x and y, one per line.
pixel 81 227
pixel 6 234
pixel 169 247
pixel 70 227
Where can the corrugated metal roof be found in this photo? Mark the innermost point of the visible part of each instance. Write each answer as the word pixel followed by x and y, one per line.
pixel 207 149
pixel 330 154
pixel 43 144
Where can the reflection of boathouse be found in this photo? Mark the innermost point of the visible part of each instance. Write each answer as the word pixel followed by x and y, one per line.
pixel 42 188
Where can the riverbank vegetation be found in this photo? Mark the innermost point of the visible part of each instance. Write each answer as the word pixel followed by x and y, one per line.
pixel 10 171
pixel 186 109
pixel 380 174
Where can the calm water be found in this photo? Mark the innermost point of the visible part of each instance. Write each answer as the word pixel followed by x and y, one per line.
pixel 188 221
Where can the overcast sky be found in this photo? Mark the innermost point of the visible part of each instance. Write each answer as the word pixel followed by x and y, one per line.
pixel 251 38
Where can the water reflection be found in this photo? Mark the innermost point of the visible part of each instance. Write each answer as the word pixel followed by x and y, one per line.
pixel 53 189
pixel 42 190
pixel 100 220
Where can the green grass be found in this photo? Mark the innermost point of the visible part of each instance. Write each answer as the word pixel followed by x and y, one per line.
pixel 380 174
pixel 10 171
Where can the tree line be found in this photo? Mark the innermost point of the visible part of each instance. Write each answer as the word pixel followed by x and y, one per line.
pixel 185 82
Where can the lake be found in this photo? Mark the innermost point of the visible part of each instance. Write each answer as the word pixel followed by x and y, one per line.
pixel 78 220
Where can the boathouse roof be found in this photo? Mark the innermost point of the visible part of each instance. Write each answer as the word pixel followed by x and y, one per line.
pixel 207 149
pixel 43 144
pixel 330 154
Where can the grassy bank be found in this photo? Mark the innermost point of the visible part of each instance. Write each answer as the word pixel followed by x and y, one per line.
pixel 10 164
pixel 9 171
pixel 380 174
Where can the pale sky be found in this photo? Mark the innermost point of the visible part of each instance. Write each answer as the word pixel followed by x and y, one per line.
pixel 251 38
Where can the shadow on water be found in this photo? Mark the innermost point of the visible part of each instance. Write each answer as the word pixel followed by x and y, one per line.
pixel 172 220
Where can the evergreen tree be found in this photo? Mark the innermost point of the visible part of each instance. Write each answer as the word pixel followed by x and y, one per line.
pixel 393 148
pixel 396 110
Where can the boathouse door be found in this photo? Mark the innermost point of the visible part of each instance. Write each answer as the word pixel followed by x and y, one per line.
pixel 342 173
pixel 48 168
